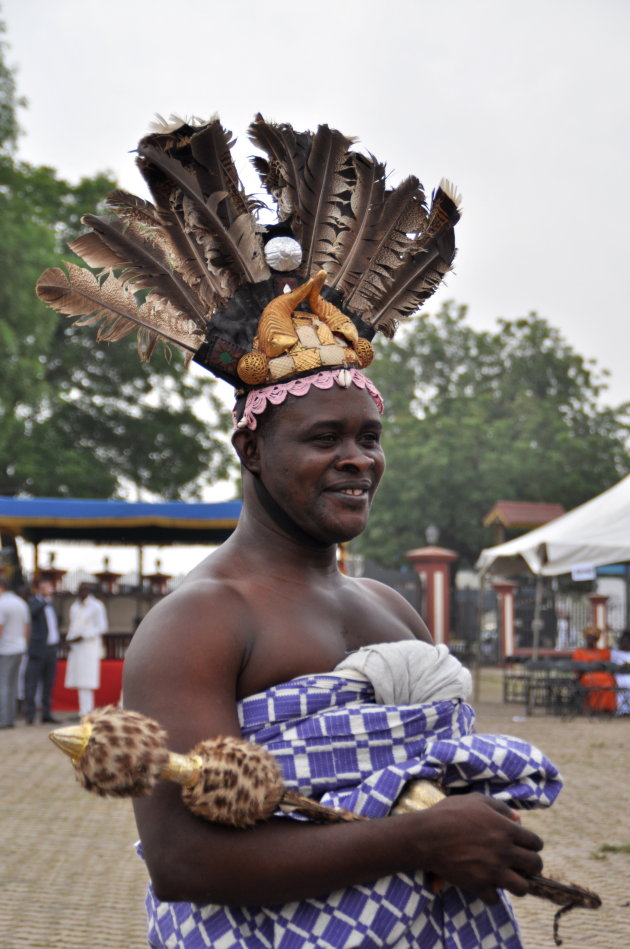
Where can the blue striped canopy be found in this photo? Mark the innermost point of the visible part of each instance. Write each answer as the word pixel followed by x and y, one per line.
pixel 118 522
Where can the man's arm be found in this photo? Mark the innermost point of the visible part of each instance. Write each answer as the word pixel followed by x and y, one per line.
pixel 27 622
pixel 35 606
pixel 101 622
pixel 182 669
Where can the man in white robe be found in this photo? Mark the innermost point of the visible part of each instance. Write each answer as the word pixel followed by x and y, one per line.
pixel 88 622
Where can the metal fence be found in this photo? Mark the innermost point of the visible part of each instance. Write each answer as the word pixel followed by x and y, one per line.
pixel 475 629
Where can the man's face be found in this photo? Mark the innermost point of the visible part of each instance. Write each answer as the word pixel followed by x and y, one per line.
pixel 45 589
pixel 321 461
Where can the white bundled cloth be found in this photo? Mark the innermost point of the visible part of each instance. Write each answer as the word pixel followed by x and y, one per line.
pixel 408 672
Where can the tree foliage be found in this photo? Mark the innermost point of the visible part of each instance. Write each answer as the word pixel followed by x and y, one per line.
pixel 476 417
pixel 76 417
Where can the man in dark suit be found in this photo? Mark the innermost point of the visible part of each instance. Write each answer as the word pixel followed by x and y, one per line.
pixel 42 652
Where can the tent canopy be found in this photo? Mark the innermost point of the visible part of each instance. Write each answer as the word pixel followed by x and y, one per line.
pixel 118 522
pixel 593 534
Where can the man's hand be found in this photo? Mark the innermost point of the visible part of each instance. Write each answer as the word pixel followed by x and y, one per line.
pixel 479 844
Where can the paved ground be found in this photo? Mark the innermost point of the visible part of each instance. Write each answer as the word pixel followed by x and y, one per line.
pixel 587 831
pixel 69 878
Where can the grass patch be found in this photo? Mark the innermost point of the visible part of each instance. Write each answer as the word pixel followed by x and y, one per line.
pixel 602 851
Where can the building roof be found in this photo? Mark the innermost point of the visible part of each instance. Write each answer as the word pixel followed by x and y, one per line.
pixel 522 514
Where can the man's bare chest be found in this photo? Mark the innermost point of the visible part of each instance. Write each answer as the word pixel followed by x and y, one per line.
pixel 312 634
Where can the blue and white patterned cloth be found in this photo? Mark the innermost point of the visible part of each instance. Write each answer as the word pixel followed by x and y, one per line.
pixel 335 744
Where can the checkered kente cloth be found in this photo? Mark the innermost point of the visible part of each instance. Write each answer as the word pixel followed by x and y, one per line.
pixel 335 744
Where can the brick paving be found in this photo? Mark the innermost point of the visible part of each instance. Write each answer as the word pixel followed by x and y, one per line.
pixel 69 878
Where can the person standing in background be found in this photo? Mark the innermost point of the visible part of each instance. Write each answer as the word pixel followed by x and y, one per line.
pixel 599 685
pixel 42 652
pixel 88 622
pixel 15 624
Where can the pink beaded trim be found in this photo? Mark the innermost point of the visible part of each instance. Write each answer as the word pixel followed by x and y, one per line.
pixel 258 399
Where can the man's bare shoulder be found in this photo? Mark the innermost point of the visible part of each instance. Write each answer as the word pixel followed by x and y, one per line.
pixel 188 652
pixel 204 604
pixel 386 599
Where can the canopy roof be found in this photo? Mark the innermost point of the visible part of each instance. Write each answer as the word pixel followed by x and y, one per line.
pixel 593 534
pixel 118 522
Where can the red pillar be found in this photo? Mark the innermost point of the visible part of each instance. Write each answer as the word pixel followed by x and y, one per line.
pixel 432 564
pixel 599 616
pixel 504 590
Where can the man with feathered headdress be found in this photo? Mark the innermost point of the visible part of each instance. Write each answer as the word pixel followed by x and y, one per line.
pixel 337 677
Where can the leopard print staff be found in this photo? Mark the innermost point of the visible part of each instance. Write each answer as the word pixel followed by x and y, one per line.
pixel 228 780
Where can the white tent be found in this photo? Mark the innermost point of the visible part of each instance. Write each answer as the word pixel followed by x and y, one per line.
pixel 593 534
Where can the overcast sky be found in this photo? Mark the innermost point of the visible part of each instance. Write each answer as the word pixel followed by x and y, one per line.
pixel 522 105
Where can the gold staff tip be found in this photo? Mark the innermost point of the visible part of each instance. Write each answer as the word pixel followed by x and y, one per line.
pixel 72 740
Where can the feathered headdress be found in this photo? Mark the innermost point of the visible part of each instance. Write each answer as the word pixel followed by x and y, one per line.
pixel 258 304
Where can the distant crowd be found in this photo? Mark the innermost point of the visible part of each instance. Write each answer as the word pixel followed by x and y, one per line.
pixel 29 643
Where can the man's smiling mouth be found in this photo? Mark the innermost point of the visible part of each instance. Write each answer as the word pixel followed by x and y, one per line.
pixel 359 490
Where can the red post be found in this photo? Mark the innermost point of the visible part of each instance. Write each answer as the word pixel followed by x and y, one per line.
pixel 599 617
pixel 432 564
pixel 504 590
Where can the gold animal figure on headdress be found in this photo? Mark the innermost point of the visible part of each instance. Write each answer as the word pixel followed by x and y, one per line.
pixel 304 340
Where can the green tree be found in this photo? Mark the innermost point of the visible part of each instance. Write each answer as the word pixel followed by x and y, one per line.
pixel 75 418
pixel 476 417
pixel 9 102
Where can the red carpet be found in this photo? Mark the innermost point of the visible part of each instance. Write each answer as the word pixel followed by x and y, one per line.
pixel 67 700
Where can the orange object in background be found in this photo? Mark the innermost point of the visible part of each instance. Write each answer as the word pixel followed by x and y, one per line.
pixel 600 687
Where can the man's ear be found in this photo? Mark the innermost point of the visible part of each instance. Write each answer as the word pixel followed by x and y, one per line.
pixel 246 445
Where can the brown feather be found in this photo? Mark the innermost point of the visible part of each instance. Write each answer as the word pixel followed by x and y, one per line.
pixel 402 219
pixel 287 150
pixel 111 244
pixel 412 284
pixel 81 295
pixel 321 211
pixel 216 171
pixel 163 228
pixel 356 244
pixel 406 288
pixel 132 209
pixel 237 240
